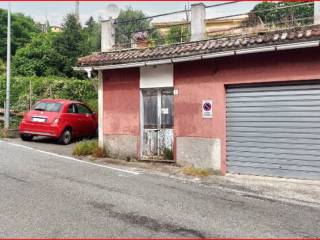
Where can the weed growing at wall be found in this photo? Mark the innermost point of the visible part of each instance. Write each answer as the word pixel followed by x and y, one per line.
pixel 88 148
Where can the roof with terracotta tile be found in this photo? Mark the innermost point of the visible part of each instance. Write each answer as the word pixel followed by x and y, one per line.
pixel 262 39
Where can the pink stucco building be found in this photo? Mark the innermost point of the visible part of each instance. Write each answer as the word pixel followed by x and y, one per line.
pixel 247 104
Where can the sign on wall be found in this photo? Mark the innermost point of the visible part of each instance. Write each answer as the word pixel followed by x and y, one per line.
pixel 207 108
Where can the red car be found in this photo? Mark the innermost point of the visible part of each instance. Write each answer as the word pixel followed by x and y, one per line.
pixel 60 119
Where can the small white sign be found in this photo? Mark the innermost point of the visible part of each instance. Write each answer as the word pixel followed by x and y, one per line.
pixel 207 108
pixel 175 92
pixel 165 110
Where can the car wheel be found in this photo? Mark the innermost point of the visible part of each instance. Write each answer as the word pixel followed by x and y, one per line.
pixel 65 137
pixel 26 137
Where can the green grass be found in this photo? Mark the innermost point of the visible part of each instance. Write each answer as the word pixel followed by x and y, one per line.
pixel 87 148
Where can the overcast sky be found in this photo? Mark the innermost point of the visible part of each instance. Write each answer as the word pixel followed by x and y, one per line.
pixel 55 11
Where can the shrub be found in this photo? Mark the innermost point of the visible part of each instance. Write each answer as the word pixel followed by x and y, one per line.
pixel 99 152
pixel 15 121
pixel 85 148
pixel 168 154
pixel 93 104
pixel 47 87
pixel 89 147
pixel 197 172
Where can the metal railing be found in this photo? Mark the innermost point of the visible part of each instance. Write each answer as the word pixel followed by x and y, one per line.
pixel 149 32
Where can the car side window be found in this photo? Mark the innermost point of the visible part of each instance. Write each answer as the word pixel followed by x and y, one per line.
pixel 72 108
pixel 83 109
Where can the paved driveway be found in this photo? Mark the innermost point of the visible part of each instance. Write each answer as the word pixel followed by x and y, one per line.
pixel 46 144
pixel 49 196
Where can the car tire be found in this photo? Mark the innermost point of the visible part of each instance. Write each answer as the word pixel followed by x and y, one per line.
pixel 66 137
pixel 26 137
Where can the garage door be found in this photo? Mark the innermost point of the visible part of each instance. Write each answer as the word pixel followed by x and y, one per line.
pixel 274 130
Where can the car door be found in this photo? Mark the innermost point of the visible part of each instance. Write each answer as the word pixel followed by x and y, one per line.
pixel 85 115
pixel 72 119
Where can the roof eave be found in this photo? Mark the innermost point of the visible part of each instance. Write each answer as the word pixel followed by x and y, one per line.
pixel 273 48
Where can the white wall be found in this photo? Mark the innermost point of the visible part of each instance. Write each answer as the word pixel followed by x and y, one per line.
pixel 156 76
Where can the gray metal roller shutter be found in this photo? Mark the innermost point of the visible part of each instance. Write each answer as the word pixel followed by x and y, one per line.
pixel 274 130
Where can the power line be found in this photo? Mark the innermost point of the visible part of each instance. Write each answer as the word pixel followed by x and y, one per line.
pixel 270 24
pixel 261 11
pixel 283 7
pixel 151 17
pixel 220 4
pixel 153 28
pixel 128 34
pixel 170 13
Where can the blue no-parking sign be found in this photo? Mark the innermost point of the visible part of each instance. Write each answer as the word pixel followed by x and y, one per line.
pixel 207 108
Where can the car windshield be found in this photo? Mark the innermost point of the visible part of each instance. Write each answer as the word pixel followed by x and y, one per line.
pixel 48 106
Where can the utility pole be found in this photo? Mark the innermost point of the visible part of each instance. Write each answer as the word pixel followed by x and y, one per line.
pixel 7 105
pixel 187 9
pixel 46 25
pixel 77 11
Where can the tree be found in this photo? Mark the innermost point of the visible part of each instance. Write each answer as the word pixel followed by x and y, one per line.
pixel 92 36
pixel 44 27
pixel 178 34
pixel 70 44
pixel 39 58
pixel 90 24
pixel 132 21
pixel 2 67
pixel 22 29
pixel 284 16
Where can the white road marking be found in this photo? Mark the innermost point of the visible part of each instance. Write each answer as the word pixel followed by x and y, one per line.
pixel 71 158
pixel 18 145
pixel 226 189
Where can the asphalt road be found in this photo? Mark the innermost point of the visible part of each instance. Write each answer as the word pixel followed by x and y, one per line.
pixel 48 196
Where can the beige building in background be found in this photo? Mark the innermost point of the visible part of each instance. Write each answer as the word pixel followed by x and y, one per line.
pixel 213 26
pixel 55 29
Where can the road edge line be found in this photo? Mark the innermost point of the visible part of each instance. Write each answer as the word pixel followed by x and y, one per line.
pixel 72 158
